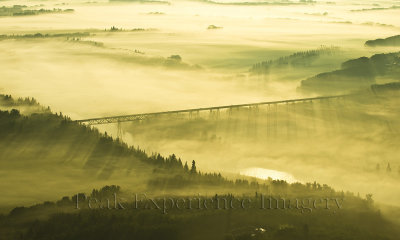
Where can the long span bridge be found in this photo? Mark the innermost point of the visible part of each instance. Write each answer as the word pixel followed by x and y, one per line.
pixel 143 116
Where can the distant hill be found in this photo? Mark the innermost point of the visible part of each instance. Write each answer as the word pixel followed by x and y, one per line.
pixel 23 10
pixel 354 74
pixel 386 42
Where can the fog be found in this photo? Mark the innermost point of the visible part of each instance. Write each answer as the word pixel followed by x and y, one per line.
pixel 130 71
pixel 339 142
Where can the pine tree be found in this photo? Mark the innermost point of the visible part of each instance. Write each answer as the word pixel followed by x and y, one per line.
pixel 186 167
pixel 193 169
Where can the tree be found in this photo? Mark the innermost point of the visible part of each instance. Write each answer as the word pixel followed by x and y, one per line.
pixel 193 169
pixel 113 28
pixel 369 199
pixel 14 113
pixel 306 231
pixel 176 58
pixel 186 167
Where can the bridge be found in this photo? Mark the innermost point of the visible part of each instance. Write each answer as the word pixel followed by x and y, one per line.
pixel 143 116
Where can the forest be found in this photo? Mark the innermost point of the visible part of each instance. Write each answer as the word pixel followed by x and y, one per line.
pixel 390 41
pixel 298 59
pixel 22 10
pixel 356 219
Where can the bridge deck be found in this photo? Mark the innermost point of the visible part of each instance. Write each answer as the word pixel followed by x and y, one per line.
pixel 141 116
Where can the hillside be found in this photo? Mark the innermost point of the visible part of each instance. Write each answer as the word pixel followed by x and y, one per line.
pixel 342 216
pixel 62 151
pixel 51 151
pixel 354 74
pixel 385 42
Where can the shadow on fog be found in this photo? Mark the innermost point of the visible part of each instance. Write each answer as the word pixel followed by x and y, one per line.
pixel 315 140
